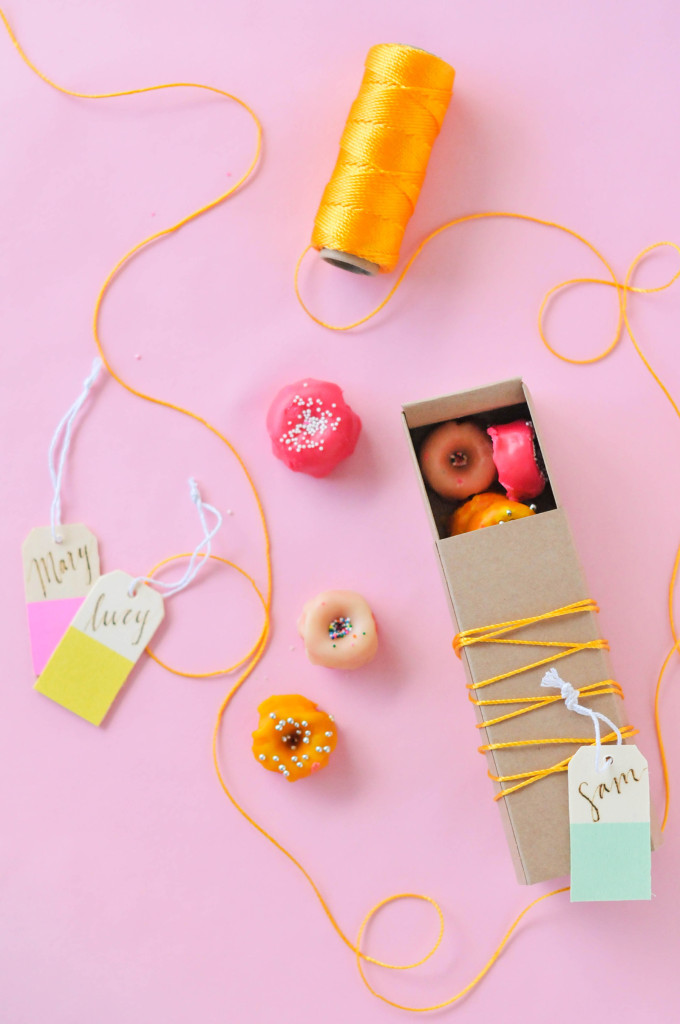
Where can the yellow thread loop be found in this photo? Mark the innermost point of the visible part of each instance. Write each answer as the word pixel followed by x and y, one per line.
pixel 591 690
pixel 497 634
pixel 541 773
pixel 487 634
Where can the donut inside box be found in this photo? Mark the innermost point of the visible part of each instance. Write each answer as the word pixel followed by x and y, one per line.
pixel 516 570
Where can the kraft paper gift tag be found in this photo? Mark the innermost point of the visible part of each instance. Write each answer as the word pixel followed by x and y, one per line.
pixel 609 825
pixel 57 576
pixel 101 646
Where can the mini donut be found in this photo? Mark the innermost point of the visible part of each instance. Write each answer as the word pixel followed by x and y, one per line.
pixel 456 460
pixel 514 453
pixel 311 427
pixel 294 737
pixel 338 630
pixel 486 510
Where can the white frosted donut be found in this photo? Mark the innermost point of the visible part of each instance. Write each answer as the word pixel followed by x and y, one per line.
pixel 338 630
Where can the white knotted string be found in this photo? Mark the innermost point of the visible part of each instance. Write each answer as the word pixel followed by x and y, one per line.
pixel 62 441
pixel 201 552
pixel 570 697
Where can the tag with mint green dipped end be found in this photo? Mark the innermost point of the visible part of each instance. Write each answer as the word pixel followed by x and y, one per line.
pixel 609 826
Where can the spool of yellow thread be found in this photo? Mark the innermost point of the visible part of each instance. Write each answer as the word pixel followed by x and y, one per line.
pixel 384 152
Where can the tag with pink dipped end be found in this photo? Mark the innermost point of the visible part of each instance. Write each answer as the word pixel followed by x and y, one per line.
pixel 57 578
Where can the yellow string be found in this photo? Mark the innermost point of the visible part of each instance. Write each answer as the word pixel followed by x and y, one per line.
pixel 251 659
pixel 497 634
pixel 261 640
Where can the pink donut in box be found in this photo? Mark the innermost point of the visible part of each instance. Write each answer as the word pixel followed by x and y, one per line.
pixel 514 453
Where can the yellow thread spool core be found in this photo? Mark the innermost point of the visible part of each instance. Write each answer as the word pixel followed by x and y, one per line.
pixel 384 152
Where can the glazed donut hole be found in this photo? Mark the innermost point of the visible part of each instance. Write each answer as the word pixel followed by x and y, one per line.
pixel 457 460
pixel 338 630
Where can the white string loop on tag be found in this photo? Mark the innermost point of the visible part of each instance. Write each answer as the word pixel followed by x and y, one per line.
pixel 62 437
pixel 200 554
pixel 570 697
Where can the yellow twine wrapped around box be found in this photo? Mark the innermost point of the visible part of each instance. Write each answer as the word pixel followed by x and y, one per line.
pixel 498 633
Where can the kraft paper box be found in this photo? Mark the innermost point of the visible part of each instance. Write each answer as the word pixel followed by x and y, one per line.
pixel 520 569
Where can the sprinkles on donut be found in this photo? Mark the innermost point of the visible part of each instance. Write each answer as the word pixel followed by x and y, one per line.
pixel 338 630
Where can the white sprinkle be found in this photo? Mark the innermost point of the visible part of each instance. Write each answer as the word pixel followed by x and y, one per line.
pixel 329 733
pixel 327 750
pixel 305 757
pixel 291 720
pixel 306 739
pixel 275 757
pixel 294 758
pixel 303 723
pixel 319 750
pixel 272 714
pixel 263 757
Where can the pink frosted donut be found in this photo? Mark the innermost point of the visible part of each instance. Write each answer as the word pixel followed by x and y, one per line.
pixel 514 454
pixel 338 630
pixel 311 426
pixel 456 460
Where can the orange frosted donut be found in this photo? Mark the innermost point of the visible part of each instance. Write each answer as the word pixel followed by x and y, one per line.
pixel 339 630
pixel 487 510
pixel 456 460
pixel 294 737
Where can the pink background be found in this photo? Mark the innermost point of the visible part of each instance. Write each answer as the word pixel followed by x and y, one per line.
pixel 129 888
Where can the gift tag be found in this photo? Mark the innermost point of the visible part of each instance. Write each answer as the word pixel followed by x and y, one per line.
pixel 102 645
pixel 57 576
pixel 609 825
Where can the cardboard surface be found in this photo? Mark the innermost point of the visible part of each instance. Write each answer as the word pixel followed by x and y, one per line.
pixel 493 575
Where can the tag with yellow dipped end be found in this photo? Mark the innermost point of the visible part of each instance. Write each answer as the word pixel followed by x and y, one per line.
pixel 102 645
